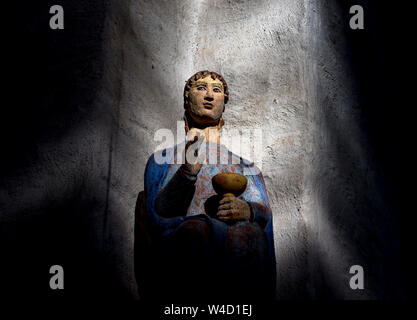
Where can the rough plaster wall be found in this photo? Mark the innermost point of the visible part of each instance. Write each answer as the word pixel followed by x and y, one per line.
pixel 285 65
pixel 75 144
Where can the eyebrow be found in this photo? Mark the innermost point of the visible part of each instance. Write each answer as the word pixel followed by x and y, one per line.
pixel 219 85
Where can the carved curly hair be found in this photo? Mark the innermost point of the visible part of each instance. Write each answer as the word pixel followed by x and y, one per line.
pixel 203 74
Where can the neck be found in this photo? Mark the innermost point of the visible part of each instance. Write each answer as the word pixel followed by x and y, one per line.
pixel 210 131
pixel 199 125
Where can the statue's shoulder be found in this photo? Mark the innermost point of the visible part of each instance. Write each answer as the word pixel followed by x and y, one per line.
pixel 165 156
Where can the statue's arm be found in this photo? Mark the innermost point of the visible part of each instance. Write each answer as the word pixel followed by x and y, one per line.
pixel 260 214
pixel 174 199
pixel 260 210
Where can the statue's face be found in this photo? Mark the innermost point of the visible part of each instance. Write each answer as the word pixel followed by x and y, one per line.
pixel 206 101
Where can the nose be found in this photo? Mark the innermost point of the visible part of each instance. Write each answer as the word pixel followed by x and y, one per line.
pixel 209 95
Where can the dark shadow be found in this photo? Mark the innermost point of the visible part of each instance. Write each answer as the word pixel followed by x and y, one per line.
pixel 371 206
pixel 62 234
pixel 211 205
pixel 54 77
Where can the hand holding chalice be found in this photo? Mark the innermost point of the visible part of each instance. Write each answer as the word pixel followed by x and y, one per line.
pixel 231 185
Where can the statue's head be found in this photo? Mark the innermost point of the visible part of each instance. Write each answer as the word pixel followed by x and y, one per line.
pixel 205 96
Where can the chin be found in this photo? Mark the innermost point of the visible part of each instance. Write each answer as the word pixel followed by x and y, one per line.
pixel 205 119
pixel 214 115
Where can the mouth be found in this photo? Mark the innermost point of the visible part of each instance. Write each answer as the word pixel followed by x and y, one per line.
pixel 208 106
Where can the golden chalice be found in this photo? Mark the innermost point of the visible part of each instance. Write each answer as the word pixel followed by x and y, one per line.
pixel 228 184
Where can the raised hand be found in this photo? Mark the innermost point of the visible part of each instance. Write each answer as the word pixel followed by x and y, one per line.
pixel 193 161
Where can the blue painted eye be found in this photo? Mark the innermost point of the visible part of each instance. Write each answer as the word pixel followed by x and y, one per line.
pixel 201 88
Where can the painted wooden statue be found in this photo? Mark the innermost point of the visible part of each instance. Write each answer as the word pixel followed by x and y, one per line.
pixel 209 245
